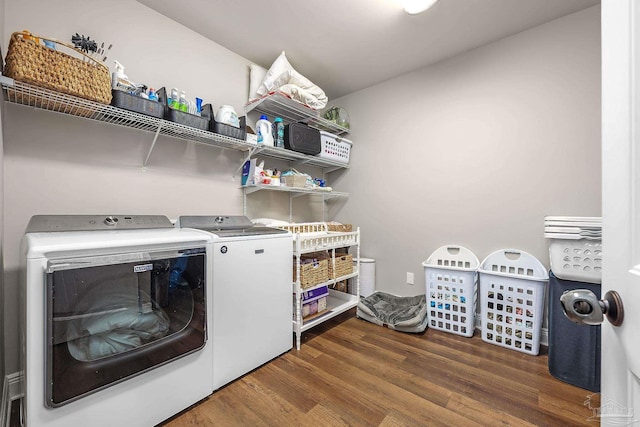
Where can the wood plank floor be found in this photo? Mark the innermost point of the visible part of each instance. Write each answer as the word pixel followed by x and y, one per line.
pixel 350 372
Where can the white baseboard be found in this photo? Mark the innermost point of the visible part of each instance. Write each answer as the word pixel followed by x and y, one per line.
pixel 11 390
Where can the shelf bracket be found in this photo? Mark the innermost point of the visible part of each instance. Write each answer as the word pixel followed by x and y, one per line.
pixel 153 144
pixel 247 157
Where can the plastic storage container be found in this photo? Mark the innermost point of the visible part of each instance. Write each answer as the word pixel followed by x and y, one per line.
pixel 177 116
pixel 450 279
pixel 574 350
pixel 578 260
pixel 137 104
pixel 512 290
pixel 575 247
pixel 334 147
pixel 223 128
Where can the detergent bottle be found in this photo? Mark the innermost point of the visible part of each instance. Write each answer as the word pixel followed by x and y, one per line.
pixel 264 132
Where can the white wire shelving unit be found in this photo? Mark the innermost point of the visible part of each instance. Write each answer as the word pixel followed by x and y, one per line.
pixel 40 98
pixel 45 99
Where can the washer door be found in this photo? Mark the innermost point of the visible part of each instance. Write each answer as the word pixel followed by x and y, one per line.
pixel 112 317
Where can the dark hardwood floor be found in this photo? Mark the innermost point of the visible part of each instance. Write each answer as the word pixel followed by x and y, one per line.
pixel 351 372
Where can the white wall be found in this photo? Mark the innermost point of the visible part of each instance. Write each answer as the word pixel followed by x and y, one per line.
pixel 58 164
pixel 477 149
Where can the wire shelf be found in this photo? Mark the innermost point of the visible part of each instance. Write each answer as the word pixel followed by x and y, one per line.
pixel 32 96
pixel 45 99
pixel 279 105
pixel 326 194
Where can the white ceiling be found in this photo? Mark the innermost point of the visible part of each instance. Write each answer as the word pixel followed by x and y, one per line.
pixel 347 45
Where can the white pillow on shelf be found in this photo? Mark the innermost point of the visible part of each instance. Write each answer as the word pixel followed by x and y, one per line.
pixel 282 74
pixel 256 76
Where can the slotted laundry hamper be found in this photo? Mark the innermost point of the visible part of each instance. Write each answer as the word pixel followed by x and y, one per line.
pixel 512 289
pixel 450 279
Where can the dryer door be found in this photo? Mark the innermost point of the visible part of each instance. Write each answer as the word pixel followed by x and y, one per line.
pixel 112 317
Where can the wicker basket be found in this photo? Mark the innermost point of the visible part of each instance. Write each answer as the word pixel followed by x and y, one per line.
pixel 312 273
pixel 344 266
pixel 31 62
pixel 343 228
pixel 341 286
pixel 296 181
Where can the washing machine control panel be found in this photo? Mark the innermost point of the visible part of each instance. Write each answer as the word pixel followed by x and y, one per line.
pixel 216 222
pixel 48 223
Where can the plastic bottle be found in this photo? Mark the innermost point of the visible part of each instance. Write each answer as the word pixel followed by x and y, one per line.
pixel 175 100
pixel 183 102
pixel 279 132
pixel 263 127
pixel 152 94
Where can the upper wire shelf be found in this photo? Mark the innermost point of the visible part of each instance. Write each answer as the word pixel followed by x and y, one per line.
pixel 45 99
pixel 279 105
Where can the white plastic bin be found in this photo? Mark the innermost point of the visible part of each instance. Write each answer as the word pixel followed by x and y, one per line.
pixel 578 260
pixel 334 147
pixel 575 247
pixel 367 277
pixel 512 290
pixel 450 279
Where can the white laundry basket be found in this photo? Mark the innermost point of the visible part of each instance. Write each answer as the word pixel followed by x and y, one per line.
pixel 575 247
pixel 512 290
pixel 450 279
pixel 579 260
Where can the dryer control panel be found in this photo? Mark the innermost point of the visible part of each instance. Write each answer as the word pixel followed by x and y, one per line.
pixel 52 223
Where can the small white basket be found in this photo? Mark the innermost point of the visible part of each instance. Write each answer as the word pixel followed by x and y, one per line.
pixel 579 260
pixel 512 290
pixel 334 147
pixel 450 278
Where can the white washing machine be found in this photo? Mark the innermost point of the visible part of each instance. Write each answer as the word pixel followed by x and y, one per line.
pixel 114 322
pixel 252 293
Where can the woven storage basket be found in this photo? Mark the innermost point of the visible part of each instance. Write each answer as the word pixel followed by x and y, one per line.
pixel 31 62
pixel 341 286
pixel 343 228
pixel 344 266
pixel 312 273
pixel 296 181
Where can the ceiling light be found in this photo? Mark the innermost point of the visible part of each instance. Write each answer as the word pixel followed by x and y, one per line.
pixel 413 7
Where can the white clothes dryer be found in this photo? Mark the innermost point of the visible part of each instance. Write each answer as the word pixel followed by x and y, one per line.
pixel 252 293
pixel 115 318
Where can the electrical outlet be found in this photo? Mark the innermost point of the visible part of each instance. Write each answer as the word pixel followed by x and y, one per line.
pixel 410 280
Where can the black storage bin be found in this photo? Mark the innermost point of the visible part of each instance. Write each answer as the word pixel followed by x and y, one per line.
pixel 302 138
pixel 574 350
pixel 181 117
pixel 137 104
pixel 222 128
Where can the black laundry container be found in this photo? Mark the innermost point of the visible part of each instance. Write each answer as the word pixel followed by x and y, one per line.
pixel 574 350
